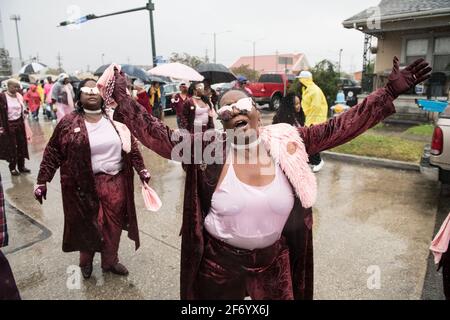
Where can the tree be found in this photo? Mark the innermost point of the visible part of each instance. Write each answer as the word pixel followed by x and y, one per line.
pixel 371 67
pixel 187 59
pixel 54 71
pixel 246 71
pixel 325 77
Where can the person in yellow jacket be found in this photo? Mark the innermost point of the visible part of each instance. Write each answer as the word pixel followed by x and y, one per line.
pixel 315 107
pixel 155 100
pixel 40 91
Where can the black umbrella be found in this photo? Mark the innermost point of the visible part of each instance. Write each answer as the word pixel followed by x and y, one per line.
pixel 74 79
pixel 128 69
pixel 216 73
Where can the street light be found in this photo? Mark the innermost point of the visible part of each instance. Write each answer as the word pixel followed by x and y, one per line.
pixel 16 18
pixel 215 34
pixel 150 7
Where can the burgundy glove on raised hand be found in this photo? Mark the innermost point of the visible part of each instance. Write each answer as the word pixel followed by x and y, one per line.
pixel 120 88
pixel 40 192
pixel 145 176
pixel 400 81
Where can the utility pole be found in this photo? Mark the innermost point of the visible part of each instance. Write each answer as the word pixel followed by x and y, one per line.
pixel 59 59
pixel 151 8
pixel 277 61
pixel 254 53
pixel 16 19
pixel 215 34
pixel 215 47
pixel 340 61
pixel 254 57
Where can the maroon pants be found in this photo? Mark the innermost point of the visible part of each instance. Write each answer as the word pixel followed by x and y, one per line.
pixel 8 288
pixel 18 143
pixel 111 192
pixel 229 273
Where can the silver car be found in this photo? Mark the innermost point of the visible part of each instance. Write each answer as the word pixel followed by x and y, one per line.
pixel 435 163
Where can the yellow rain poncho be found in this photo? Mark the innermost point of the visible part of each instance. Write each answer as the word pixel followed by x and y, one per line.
pixel 314 103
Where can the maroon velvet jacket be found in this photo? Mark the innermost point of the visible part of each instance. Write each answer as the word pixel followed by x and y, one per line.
pixel 6 147
pixel 201 181
pixel 188 116
pixel 69 150
pixel 178 106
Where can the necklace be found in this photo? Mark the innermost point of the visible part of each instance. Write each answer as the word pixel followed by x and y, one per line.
pixel 252 145
pixel 99 111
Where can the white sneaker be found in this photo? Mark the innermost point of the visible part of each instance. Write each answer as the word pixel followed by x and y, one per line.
pixel 318 167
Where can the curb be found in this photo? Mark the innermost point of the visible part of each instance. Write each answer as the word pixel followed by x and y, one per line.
pixel 44 234
pixel 377 162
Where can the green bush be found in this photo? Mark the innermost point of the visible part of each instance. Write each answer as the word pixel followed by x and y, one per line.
pixel 324 76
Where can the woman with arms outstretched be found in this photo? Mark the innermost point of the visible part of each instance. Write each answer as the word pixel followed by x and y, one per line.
pixel 247 222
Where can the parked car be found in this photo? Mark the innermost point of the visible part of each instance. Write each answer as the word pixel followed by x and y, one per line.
pixel 270 88
pixel 222 87
pixel 435 163
pixel 349 85
pixel 170 89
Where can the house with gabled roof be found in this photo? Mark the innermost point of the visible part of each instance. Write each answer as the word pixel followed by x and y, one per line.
pixel 277 63
pixel 409 29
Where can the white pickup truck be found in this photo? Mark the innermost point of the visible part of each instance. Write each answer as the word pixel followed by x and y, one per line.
pixel 435 164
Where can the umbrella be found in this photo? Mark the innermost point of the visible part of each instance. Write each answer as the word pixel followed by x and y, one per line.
pixel 161 80
pixel 216 73
pixel 176 70
pixel 32 68
pixel 74 79
pixel 130 70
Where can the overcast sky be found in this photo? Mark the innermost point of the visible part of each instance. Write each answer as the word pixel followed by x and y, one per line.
pixel 312 27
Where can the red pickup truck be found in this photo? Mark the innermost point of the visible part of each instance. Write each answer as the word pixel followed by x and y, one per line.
pixel 270 88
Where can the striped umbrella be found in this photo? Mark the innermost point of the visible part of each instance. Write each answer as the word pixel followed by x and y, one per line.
pixel 32 68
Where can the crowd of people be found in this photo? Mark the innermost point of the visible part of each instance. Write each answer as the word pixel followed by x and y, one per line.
pixel 261 245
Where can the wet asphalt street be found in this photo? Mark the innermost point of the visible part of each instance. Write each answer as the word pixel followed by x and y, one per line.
pixel 372 230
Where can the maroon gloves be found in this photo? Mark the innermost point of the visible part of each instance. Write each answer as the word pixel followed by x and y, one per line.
pixel 40 191
pixel 400 81
pixel 120 87
pixel 145 176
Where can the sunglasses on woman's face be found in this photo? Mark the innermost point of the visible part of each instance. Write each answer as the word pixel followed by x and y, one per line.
pixel 244 106
pixel 89 90
pixel 200 86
